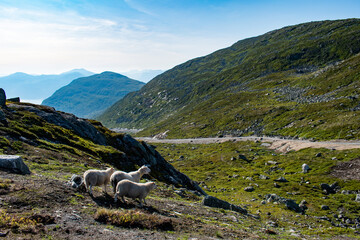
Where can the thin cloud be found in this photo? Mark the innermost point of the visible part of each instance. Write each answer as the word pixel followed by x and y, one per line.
pixel 139 7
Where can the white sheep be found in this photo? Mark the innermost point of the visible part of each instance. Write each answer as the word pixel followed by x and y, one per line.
pixel 134 176
pixel 133 190
pixel 97 178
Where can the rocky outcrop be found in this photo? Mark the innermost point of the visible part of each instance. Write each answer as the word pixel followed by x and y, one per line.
pixel 330 189
pixel 289 203
pixel 141 153
pixel 2 98
pixel 211 201
pixel 81 127
pixel 131 153
pixel 13 163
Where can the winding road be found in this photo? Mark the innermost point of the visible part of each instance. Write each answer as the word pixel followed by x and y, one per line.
pixel 278 144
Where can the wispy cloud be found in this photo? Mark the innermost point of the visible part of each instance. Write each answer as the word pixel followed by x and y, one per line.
pixel 136 5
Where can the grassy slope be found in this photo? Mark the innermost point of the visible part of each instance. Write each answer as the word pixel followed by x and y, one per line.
pixel 235 88
pixel 45 192
pixel 211 165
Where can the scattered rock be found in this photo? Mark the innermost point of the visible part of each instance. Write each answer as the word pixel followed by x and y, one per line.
pixel 289 203
pixel 211 201
pixel 305 168
pixel 276 185
pixel 242 157
pixel 13 163
pixel 180 192
pixel 281 179
pixel 318 155
pixel 263 177
pixel 325 207
pixel 357 198
pixel 329 189
pixel 272 162
pixel 249 189
pixel 272 224
pixel 302 205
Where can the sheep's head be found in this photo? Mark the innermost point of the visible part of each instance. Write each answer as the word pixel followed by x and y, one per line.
pixel 145 170
pixel 110 170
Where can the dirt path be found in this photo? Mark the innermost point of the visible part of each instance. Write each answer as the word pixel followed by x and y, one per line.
pixel 278 144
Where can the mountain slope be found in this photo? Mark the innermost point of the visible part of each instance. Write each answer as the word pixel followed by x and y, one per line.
pixel 237 90
pixel 31 87
pixel 88 96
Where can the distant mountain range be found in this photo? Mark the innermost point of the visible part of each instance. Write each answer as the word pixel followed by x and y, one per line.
pixel 298 81
pixel 89 96
pixel 38 87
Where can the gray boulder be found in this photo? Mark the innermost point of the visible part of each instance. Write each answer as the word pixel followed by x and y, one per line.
pixel 15 99
pixel 329 189
pixel 249 189
pixel 77 182
pixel 2 98
pixel 305 168
pixel 211 201
pixel 357 199
pixel 13 163
pixel 281 179
pixel 289 203
pixel 3 117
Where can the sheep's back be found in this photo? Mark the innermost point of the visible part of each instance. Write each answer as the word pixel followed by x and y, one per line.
pixel 95 177
pixel 129 189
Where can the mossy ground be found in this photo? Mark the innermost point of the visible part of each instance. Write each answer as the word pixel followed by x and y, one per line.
pixel 54 154
pixel 222 173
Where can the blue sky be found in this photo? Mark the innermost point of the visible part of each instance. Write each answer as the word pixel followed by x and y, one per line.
pixel 54 36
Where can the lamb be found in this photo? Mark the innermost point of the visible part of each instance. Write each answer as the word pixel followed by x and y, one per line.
pixel 97 178
pixel 134 176
pixel 133 190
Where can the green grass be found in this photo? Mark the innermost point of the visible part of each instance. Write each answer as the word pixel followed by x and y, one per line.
pixel 212 167
pixel 237 90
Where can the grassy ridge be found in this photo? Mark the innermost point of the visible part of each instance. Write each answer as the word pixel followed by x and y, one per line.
pixel 233 90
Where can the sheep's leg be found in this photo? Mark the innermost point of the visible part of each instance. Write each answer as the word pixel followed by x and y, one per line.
pixel 144 201
pixel 123 199
pixel 114 186
pixel 90 189
pixel 140 202
pixel 115 198
pixel 104 188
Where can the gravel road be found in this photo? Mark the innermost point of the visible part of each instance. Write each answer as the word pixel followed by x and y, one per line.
pixel 278 144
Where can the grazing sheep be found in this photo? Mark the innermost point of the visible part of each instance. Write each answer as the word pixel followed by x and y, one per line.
pixel 134 176
pixel 133 190
pixel 97 178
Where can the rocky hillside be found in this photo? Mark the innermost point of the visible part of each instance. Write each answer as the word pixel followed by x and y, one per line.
pixel 24 127
pixel 298 81
pixel 89 96
pixel 268 195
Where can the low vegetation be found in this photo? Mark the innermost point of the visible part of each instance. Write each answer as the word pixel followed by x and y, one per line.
pixel 225 170
pixel 300 81
pixel 43 205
